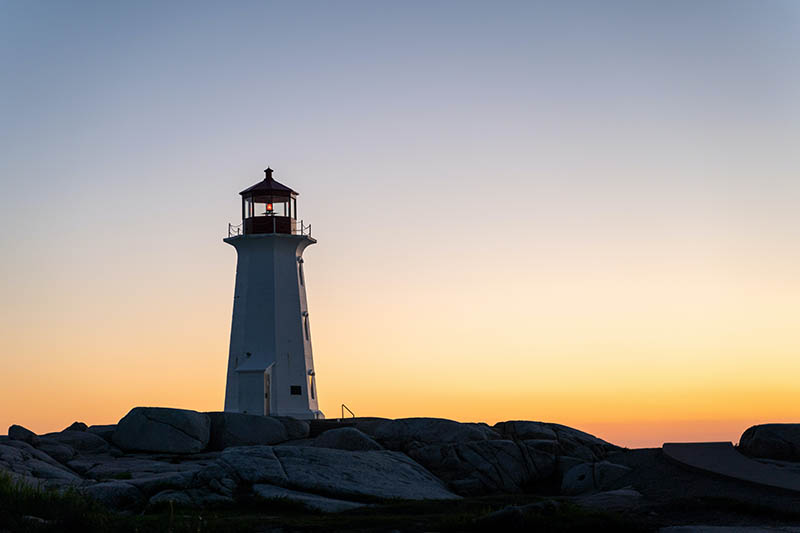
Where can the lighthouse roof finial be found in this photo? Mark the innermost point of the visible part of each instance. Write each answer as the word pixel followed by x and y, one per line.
pixel 268 186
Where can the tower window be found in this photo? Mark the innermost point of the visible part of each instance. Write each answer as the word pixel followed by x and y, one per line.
pixel 302 276
pixel 295 390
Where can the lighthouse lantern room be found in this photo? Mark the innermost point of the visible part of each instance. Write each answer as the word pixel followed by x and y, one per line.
pixel 270 363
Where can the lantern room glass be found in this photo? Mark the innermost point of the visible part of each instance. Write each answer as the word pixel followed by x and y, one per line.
pixel 269 206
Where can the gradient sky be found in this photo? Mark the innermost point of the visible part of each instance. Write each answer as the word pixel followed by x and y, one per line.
pixel 580 212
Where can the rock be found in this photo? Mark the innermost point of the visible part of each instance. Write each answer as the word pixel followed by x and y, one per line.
pixel 80 441
pixel 151 484
pixel 24 434
pixel 77 426
pixel 108 467
pixel 525 430
pixel 792 466
pixel 115 495
pixel 770 441
pixel 295 429
pixel 484 467
pixel 543 445
pixel 406 433
pixel 249 464
pixel 310 501
pixel 612 500
pixel 346 439
pixel 44 470
pixel 22 458
pixel 176 497
pixel 158 429
pixel 105 432
pixel 570 441
pixel 190 498
pixel 564 464
pixel 339 473
pixel 588 477
pixel 239 429
pixel 62 453
pixel 576 443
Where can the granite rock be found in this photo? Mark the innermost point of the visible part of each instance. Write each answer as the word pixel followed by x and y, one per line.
pixel 239 429
pixel 346 439
pixel 159 429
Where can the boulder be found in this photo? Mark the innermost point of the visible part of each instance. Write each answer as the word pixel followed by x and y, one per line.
pixel 570 441
pixel 247 464
pixel 346 439
pixel 105 431
pixel 77 426
pixel 564 463
pixel 107 467
pixel 525 430
pixel 343 474
pixel 34 467
pixel 485 467
pixel 295 429
pixel 80 441
pixel 159 429
pixel 770 441
pixel 23 459
pixel 612 500
pixel 154 483
pixel 115 495
pixel 62 453
pixel 334 473
pixel 588 477
pixel 24 434
pixel 576 443
pixel 407 433
pixel 239 429
pixel 199 498
pixel 309 501
pixel 543 445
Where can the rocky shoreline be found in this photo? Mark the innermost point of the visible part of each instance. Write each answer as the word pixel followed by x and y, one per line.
pixel 155 455
pixel 159 456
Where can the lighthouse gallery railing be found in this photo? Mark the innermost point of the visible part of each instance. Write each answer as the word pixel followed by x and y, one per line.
pixel 300 229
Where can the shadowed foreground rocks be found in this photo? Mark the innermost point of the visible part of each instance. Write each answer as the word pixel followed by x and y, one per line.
pixel 155 455
pixel 512 476
pixel 772 441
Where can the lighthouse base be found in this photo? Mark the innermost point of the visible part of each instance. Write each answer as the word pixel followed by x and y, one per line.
pixel 302 415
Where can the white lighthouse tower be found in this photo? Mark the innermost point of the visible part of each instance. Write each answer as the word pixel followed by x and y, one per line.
pixel 270 365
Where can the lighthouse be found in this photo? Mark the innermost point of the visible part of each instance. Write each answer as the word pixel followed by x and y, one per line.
pixel 270 363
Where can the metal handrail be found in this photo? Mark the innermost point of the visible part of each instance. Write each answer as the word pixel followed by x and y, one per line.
pixel 234 230
pixel 302 229
pixel 348 410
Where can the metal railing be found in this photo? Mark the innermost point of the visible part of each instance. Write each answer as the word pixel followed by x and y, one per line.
pixel 233 231
pixel 299 228
pixel 344 407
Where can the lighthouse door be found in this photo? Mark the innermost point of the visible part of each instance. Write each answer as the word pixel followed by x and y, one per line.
pixel 251 392
pixel 267 376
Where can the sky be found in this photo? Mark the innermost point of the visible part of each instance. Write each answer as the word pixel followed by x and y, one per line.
pixel 574 212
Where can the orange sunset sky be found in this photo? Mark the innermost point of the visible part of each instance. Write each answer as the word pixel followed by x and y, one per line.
pixel 575 212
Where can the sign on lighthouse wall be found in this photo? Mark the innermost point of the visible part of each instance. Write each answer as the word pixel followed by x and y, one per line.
pixel 270 364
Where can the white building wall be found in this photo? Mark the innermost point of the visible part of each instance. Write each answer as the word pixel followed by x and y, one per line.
pixel 270 311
